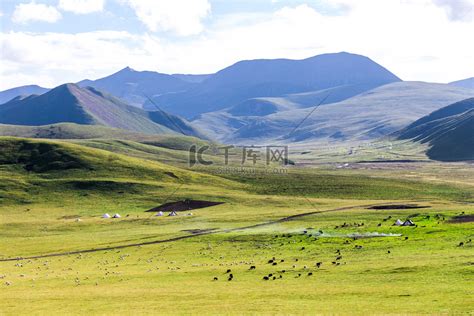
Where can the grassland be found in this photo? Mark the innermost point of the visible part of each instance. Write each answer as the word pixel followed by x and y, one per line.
pixel 45 186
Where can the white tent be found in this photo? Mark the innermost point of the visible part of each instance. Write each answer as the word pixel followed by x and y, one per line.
pixel 78 220
pixel 160 213
pixel 173 213
pixel 106 215
pixel 398 223
pixel 408 223
pixel 116 216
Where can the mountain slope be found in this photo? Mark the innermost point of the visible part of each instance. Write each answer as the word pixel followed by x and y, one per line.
pixel 277 77
pixel 466 83
pixel 370 115
pixel 192 78
pixel 449 131
pixel 9 94
pixel 87 106
pixel 91 168
pixel 133 86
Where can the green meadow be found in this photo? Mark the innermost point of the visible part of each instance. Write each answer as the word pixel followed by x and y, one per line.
pixel 312 240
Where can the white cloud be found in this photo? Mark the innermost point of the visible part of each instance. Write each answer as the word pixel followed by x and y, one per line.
pixel 50 59
pixel 28 12
pixel 458 10
pixel 82 6
pixel 183 17
pixel 431 48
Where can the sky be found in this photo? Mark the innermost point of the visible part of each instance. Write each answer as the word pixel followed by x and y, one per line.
pixel 50 42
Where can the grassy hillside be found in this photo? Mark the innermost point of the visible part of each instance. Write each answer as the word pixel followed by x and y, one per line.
pixel 44 166
pixel 77 131
pixel 45 186
pixel 173 149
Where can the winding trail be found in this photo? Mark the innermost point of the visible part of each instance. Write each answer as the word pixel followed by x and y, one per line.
pixel 273 222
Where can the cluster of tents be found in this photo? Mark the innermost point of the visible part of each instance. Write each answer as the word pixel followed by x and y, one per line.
pixel 160 213
pixel 172 213
pixel 106 215
pixel 405 223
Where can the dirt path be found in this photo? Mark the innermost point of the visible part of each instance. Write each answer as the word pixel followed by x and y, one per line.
pixel 281 220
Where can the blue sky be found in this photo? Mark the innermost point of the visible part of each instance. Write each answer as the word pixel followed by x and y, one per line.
pixel 49 42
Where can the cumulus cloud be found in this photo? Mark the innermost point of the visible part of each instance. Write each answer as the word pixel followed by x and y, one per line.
pixel 50 59
pixel 82 6
pixel 183 17
pixel 458 10
pixel 29 12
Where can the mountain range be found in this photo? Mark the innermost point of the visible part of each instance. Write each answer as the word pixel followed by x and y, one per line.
pixel 370 115
pixel 351 73
pixel 339 97
pixel 88 106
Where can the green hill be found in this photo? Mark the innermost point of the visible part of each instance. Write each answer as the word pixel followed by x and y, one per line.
pixel 169 148
pixel 42 169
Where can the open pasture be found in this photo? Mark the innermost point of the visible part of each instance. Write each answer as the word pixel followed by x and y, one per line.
pixel 305 242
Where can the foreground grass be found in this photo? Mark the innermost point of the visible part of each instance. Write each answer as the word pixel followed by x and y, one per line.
pixel 428 273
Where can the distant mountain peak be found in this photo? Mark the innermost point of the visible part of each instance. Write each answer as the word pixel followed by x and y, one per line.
pixel 68 85
pixel 66 88
pixel 131 85
pixel 343 53
pixel 22 91
pixel 125 70
pixel 128 69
